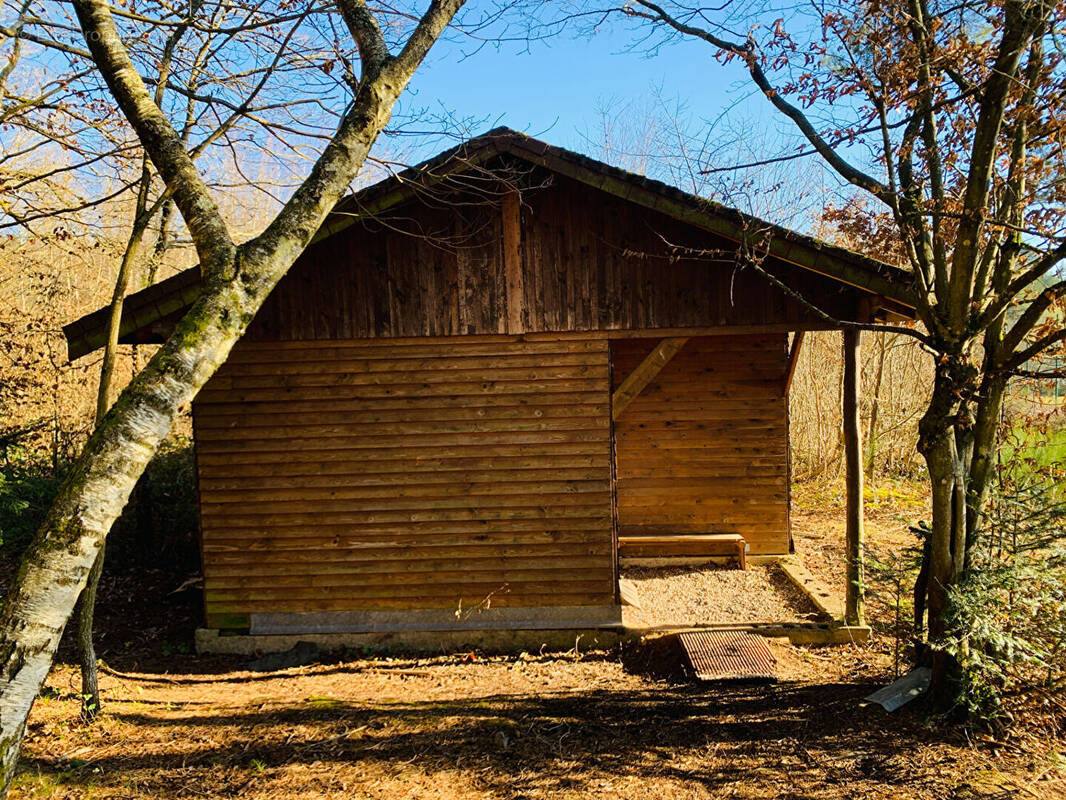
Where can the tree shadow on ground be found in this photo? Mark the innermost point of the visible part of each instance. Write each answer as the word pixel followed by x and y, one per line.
pixel 812 738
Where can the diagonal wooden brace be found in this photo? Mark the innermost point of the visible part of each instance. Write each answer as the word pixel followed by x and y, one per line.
pixel 645 373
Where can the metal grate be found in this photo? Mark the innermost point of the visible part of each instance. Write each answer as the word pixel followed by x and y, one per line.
pixel 728 656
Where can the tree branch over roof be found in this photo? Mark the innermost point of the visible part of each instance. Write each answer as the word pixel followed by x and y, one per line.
pixel 748 52
pixel 159 139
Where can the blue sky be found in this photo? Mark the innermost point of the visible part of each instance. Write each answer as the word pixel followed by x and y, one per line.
pixel 554 89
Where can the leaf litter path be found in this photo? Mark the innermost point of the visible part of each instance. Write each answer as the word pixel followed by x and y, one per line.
pixel 576 726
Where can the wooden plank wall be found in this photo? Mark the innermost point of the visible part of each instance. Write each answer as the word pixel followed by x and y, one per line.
pixel 589 261
pixel 704 448
pixel 419 473
pixel 596 261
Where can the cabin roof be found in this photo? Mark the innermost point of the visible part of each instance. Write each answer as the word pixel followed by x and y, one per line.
pixel 171 297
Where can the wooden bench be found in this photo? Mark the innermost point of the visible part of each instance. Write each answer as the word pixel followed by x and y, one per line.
pixel 683 550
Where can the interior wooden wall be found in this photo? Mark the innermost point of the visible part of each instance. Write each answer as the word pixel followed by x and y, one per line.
pixel 352 475
pixel 704 448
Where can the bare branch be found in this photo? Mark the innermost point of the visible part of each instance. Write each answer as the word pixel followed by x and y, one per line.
pixel 748 53
pixel 159 139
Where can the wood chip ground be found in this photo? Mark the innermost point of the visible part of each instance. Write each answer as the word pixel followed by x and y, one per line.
pixel 699 595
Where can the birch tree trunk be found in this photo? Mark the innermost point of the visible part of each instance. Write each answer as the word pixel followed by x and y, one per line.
pixel 236 281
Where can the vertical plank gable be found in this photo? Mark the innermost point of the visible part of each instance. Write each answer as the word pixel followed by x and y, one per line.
pixel 562 257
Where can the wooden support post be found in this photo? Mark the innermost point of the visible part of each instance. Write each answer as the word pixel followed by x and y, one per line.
pixel 854 613
pixel 512 261
pixel 645 373
pixel 793 360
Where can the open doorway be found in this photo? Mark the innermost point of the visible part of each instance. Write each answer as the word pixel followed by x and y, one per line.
pixel 700 441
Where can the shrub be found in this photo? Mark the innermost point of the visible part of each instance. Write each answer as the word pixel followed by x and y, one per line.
pixel 1008 614
pixel 26 490
pixel 891 574
pixel 158 524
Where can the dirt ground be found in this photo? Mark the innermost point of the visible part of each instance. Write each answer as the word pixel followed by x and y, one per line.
pixel 532 726
pixel 890 509
pixel 469 727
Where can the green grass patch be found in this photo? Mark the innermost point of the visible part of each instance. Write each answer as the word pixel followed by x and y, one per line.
pixel 324 702
pixel 1044 446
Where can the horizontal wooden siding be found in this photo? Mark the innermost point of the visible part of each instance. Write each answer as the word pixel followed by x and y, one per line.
pixel 423 474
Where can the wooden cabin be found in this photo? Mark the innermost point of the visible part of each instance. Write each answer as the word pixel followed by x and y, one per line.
pixel 483 375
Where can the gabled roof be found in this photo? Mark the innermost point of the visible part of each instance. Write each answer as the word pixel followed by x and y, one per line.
pixel 170 297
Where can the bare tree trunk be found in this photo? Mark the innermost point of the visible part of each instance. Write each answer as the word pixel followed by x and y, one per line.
pixel 236 281
pixel 875 402
pixel 118 298
pixel 985 434
pixel 958 447
pixel 946 454
pixel 942 573
pixel 90 685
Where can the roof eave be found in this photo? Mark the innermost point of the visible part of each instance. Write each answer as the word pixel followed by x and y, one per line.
pixel 140 310
pixel 157 302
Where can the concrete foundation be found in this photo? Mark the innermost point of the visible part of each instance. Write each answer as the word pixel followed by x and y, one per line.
pixel 823 598
pixel 499 641
pixel 511 641
pixel 426 620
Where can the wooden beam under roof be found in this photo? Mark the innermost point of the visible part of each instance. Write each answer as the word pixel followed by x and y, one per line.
pixel 514 276
pixel 793 360
pixel 645 373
